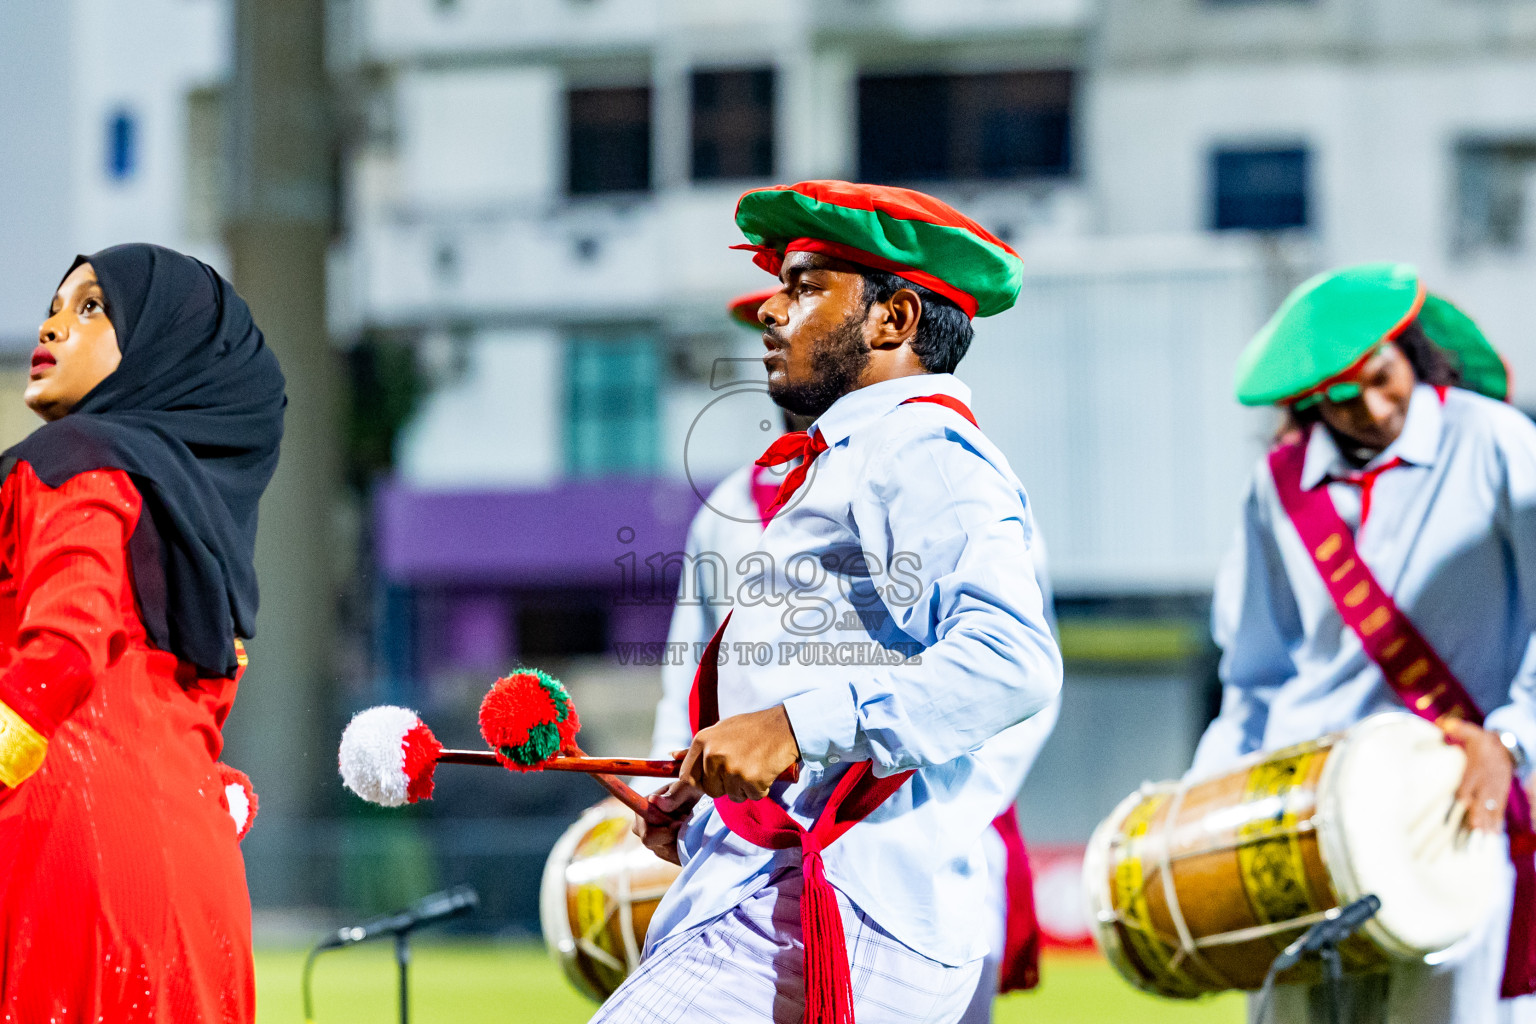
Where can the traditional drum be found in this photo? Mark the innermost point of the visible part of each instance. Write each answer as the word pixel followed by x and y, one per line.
pixel 1195 887
pixel 600 887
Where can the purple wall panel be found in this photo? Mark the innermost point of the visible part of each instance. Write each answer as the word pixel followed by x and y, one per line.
pixel 569 535
pixel 479 629
pixel 639 624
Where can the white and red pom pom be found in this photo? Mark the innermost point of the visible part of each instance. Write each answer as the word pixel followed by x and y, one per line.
pixel 388 755
pixel 238 798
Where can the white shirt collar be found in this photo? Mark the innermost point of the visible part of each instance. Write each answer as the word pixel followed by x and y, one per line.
pixel 1417 444
pixel 858 409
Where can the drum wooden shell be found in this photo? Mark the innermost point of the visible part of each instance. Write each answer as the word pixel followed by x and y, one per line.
pixel 1194 888
pixel 600 888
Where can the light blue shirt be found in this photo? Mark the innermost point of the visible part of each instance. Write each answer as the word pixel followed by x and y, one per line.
pixel 1451 536
pixel 911 536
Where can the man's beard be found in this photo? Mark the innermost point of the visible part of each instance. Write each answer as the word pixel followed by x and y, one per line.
pixel 837 361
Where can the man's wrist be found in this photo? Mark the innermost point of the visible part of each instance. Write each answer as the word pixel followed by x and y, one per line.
pixel 789 726
pixel 818 719
pixel 1514 748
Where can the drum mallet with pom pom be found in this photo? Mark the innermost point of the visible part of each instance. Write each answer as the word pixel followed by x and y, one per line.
pixel 529 719
pixel 388 755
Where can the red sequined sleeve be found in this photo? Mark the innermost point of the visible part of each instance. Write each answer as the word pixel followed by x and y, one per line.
pixel 71 565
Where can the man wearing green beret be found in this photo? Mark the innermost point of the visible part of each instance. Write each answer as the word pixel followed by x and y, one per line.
pixel 863 714
pixel 1386 561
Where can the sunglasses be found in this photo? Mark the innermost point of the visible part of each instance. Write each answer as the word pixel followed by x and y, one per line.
pixel 1343 392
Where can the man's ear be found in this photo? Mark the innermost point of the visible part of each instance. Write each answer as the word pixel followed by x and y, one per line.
pixel 896 319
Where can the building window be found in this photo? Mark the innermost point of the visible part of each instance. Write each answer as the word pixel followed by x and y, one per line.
pixel 1260 189
pixel 732 124
pixel 609 140
pixel 122 145
pixel 960 127
pixel 613 419
pixel 1496 196
pixel 560 625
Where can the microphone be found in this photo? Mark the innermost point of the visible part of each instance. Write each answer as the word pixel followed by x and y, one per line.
pixel 1330 932
pixel 440 906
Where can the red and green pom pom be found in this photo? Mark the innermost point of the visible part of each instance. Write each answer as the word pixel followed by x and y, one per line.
pixel 528 718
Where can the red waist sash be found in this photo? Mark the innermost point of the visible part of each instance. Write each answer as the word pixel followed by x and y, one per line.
pixel 828 983
pixel 1020 965
pixel 1413 669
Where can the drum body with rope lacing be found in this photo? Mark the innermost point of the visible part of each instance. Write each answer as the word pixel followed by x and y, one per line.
pixel 600 888
pixel 1194 887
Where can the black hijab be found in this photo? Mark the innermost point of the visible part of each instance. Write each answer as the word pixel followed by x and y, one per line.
pixel 194 415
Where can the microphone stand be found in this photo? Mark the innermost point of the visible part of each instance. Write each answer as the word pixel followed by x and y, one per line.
pixel 403 960
pixel 1333 972
pixel 1333 968
pixel 1322 938
pixel 401 928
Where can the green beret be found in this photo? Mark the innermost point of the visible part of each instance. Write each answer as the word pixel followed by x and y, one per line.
pixel 1482 368
pixel 906 233
pixel 1331 323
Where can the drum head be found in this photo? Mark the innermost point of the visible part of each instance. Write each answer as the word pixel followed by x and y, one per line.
pixel 1386 828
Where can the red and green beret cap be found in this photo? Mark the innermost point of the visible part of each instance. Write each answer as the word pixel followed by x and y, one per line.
pixel 906 233
pixel 1330 324
pixel 743 308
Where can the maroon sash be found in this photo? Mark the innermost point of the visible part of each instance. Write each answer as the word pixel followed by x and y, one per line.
pixel 1413 669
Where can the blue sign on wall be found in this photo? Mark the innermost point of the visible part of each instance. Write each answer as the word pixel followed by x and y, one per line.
pixel 122 145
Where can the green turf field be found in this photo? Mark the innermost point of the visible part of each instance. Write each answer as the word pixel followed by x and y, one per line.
pixel 470 983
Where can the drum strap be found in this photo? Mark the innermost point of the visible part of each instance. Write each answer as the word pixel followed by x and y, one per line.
pixel 1414 670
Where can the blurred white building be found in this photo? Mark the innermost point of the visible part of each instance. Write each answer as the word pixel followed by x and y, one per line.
pixel 543 194
pixel 537 197
pixel 1392 129
pixel 540 197
pixel 109 132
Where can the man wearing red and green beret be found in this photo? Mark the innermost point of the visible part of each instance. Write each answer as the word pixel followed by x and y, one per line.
pixel 1386 561
pixel 863 716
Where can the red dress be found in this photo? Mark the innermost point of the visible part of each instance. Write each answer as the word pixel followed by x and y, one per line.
pixel 122 888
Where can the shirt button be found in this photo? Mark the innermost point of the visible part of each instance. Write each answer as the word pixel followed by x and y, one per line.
pixel 833 759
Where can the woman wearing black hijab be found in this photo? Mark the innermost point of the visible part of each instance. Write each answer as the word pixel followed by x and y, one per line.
pixel 127 534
